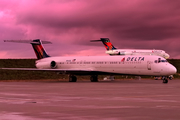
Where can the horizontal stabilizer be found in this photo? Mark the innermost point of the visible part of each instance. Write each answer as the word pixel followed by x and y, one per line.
pixel 95 40
pixel 101 39
pixel 27 41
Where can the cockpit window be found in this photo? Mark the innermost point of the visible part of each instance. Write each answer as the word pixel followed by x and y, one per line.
pixel 159 60
pixel 163 60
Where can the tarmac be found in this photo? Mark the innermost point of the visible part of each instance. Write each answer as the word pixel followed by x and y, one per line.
pixel 84 100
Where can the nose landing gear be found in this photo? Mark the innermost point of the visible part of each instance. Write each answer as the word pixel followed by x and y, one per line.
pixel 165 79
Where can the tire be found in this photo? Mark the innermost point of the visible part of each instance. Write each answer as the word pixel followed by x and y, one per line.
pixel 165 81
pixel 72 78
pixel 94 78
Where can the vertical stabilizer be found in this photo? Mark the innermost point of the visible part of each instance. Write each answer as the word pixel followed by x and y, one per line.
pixel 39 49
pixel 108 45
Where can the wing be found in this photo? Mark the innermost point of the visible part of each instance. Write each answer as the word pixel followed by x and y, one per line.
pixel 77 71
pixel 61 71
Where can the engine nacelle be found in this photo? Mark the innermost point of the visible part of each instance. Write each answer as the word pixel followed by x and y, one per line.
pixel 117 52
pixel 53 64
pixel 113 52
pixel 46 65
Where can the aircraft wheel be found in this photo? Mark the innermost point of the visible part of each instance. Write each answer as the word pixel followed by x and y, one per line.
pixel 94 78
pixel 165 80
pixel 72 78
pixel 170 77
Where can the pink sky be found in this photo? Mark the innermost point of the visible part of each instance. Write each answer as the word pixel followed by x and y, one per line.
pixel 70 24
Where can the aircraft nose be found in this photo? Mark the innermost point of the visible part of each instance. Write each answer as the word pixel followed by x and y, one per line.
pixel 172 70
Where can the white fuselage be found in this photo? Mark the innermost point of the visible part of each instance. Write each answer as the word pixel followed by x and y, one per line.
pixel 161 53
pixel 133 65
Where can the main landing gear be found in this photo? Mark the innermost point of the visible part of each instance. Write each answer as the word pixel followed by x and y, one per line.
pixel 72 78
pixel 93 78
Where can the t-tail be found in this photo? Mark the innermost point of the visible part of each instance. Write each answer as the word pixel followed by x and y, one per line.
pixel 39 49
pixel 108 45
pixel 37 46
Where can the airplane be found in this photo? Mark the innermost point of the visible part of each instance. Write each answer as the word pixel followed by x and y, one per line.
pixel 111 50
pixel 99 65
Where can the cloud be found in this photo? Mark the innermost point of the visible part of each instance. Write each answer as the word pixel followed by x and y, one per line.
pixel 129 24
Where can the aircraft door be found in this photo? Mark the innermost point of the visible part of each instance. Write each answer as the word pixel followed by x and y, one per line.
pixel 149 65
